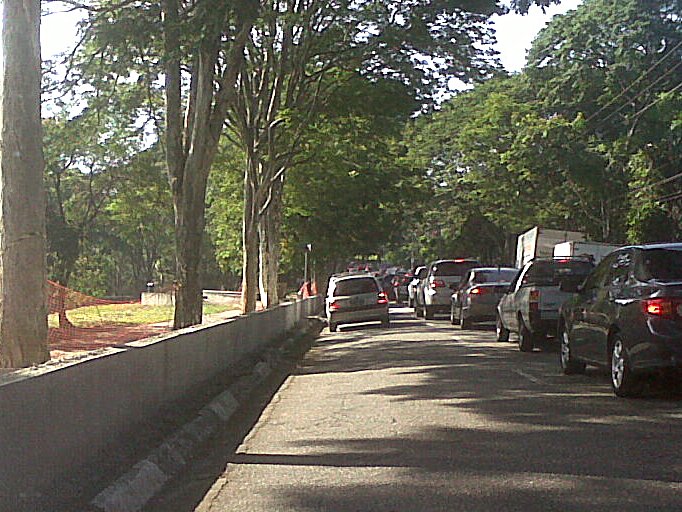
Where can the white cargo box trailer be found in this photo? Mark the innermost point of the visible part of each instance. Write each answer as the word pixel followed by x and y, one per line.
pixel 595 250
pixel 539 243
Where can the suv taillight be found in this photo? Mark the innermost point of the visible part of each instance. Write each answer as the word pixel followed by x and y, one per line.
pixel 382 299
pixel 334 306
pixel 477 290
pixel 437 283
pixel 662 308
pixel 534 300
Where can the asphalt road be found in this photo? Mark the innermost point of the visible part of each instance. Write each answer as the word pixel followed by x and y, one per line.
pixel 426 417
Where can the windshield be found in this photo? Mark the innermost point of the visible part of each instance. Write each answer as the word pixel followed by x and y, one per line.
pixel 550 273
pixel 661 264
pixel 356 286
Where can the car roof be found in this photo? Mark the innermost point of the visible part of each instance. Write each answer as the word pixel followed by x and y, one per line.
pixel 676 246
pixel 492 269
pixel 454 260
pixel 341 277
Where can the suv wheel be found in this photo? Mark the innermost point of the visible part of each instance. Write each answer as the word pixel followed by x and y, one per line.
pixel 386 322
pixel 428 312
pixel 417 310
pixel 526 343
pixel 500 330
pixel 333 327
pixel 623 381
pixel 569 364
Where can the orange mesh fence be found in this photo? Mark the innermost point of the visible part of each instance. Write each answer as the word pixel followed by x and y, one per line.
pixel 78 322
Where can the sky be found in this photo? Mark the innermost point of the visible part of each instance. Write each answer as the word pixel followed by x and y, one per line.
pixel 515 33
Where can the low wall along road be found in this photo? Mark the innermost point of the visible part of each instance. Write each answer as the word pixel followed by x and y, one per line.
pixel 57 418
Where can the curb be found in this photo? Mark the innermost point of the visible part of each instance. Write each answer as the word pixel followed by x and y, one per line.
pixel 131 491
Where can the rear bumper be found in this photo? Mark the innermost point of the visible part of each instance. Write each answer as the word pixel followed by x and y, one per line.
pixel 439 300
pixel 655 345
pixel 543 322
pixel 375 313
pixel 480 312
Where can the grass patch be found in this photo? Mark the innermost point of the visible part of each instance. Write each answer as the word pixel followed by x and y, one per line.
pixel 128 314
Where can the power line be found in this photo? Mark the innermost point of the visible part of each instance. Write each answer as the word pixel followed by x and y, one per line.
pixel 658 99
pixel 637 80
pixel 657 183
pixel 673 197
pixel 603 120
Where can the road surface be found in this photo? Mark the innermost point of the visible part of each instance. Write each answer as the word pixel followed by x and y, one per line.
pixel 426 417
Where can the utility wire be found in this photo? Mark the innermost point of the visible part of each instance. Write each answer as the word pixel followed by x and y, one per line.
pixel 604 119
pixel 657 183
pixel 658 99
pixel 637 80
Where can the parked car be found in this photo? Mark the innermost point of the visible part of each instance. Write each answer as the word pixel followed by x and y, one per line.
pixel 476 297
pixel 418 274
pixel 530 307
pixel 626 316
pixel 434 291
pixel 355 298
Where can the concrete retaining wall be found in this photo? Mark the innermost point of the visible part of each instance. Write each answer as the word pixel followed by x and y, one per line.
pixel 57 417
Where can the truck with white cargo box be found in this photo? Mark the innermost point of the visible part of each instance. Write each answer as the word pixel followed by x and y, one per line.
pixel 539 243
pixel 591 250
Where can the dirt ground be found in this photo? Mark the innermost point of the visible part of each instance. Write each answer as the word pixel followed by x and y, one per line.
pixel 75 341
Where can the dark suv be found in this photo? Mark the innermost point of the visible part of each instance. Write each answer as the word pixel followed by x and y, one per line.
pixel 627 316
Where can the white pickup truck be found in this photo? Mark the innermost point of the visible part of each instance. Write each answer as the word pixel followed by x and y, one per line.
pixel 530 307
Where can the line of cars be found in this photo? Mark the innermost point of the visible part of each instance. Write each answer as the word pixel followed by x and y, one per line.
pixel 624 314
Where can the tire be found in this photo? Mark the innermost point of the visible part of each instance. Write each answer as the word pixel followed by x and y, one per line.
pixel 623 382
pixel 453 319
pixel 464 323
pixel 333 327
pixel 502 333
pixel 526 341
pixel 417 310
pixel 569 364
pixel 428 312
pixel 386 322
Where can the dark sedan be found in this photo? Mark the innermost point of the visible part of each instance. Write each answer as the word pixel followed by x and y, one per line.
pixel 626 316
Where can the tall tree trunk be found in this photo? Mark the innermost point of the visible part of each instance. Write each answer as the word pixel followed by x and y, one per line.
pixel 192 141
pixel 270 227
pixel 23 307
pixel 189 230
pixel 249 240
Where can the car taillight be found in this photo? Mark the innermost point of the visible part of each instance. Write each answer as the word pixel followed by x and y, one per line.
pixel 437 283
pixel 382 299
pixel 662 308
pixel 478 291
pixel 334 306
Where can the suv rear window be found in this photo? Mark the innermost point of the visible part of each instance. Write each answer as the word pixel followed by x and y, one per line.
pixel 453 268
pixel 662 264
pixel 549 273
pixel 356 286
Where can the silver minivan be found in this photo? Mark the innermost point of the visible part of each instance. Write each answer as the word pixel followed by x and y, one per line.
pixel 355 298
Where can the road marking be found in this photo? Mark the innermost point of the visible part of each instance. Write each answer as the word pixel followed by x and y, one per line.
pixel 529 377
